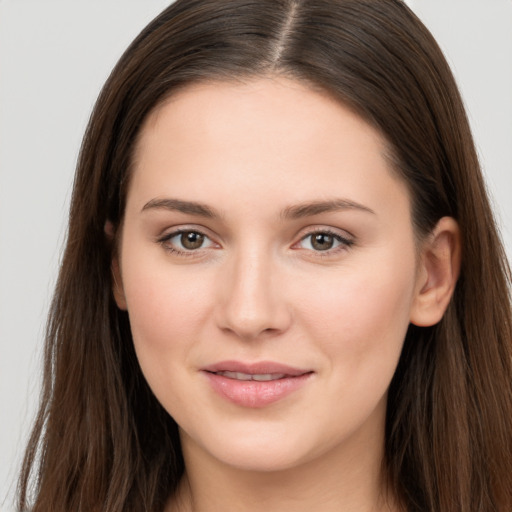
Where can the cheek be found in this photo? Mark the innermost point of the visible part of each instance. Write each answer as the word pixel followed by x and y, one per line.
pixel 160 307
pixel 360 315
pixel 167 308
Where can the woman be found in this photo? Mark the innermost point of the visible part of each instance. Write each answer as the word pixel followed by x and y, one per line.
pixel 282 284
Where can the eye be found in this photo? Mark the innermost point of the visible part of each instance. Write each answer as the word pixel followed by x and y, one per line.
pixel 322 241
pixel 184 241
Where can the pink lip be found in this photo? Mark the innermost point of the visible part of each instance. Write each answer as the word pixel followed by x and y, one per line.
pixel 251 393
pixel 254 368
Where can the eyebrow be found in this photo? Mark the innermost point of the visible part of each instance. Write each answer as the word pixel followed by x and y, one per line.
pixel 317 207
pixel 188 207
pixel 298 211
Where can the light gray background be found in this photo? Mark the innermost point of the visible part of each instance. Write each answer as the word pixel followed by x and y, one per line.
pixel 54 57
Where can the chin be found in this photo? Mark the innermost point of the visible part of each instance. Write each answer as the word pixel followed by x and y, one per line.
pixel 260 458
pixel 255 448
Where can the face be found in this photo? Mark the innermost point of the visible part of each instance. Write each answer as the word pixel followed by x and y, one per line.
pixel 268 265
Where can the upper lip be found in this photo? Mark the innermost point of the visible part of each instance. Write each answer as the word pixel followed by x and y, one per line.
pixel 258 368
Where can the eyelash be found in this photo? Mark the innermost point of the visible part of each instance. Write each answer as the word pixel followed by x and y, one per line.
pixel 163 241
pixel 345 243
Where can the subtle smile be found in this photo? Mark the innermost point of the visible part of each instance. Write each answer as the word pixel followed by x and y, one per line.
pixel 255 385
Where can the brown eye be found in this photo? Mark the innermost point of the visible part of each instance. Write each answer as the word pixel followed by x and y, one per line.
pixel 185 242
pixel 191 240
pixel 322 241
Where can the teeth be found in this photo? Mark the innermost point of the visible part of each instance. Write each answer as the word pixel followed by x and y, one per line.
pixel 247 376
pixel 268 376
pixel 236 375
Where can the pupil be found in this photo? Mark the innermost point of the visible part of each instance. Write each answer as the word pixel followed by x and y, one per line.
pixel 192 240
pixel 322 242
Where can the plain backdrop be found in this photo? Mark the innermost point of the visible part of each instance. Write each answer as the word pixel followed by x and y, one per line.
pixel 54 57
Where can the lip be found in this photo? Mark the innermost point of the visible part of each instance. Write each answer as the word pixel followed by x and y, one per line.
pixel 255 368
pixel 255 393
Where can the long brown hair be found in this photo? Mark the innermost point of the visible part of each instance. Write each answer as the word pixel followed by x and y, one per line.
pixel 101 441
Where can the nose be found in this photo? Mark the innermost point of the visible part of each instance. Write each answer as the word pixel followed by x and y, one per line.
pixel 252 302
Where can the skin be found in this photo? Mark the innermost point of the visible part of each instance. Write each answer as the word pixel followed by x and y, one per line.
pixel 257 289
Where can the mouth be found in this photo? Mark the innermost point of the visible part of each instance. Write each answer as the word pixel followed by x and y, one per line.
pixel 255 385
pixel 260 377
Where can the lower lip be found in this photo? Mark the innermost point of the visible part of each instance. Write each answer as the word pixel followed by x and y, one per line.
pixel 252 393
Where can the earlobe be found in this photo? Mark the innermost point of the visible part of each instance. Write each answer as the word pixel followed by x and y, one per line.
pixel 117 282
pixel 438 273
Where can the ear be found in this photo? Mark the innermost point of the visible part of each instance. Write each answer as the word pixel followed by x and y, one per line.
pixel 439 268
pixel 117 286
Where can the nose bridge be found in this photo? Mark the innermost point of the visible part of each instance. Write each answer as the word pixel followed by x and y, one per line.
pixel 253 303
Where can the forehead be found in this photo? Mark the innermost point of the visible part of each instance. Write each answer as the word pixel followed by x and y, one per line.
pixel 266 132
pixel 275 101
